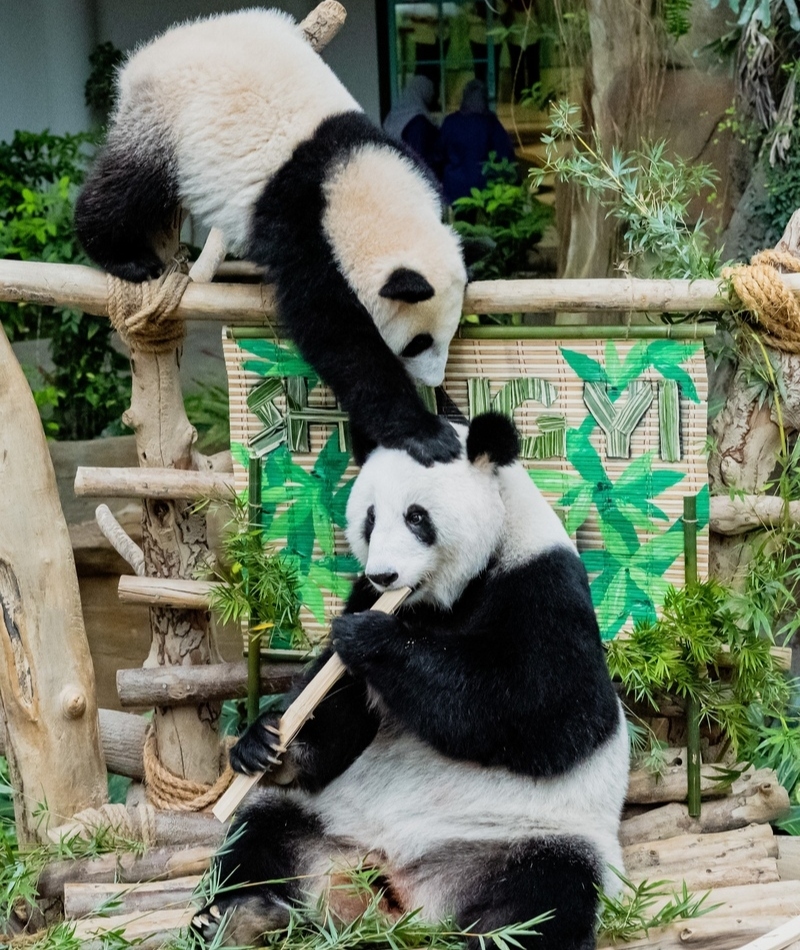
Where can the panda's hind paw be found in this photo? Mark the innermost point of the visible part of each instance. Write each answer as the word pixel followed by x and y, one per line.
pixel 243 920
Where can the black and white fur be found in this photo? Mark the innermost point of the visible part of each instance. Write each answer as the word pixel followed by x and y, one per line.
pixel 238 120
pixel 476 750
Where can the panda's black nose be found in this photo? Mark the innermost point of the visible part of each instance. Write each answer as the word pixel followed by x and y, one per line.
pixel 382 580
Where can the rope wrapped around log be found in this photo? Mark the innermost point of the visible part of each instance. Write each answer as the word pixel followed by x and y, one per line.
pixel 760 288
pixel 140 313
pixel 171 792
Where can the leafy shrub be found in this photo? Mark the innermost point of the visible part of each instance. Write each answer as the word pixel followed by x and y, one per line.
pixel 89 388
pixel 505 214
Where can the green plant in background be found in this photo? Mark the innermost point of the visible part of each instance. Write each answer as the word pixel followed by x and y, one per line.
pixel 208 410
pixel 257 586
pixel 100 90
pixel 89 387
pixel 675 14
pixel 761 11
pixel 506 214
pixel 645 191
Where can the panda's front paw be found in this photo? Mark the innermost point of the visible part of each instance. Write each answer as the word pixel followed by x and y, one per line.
pixel 259 749
pixel 361 638
pixel 434 441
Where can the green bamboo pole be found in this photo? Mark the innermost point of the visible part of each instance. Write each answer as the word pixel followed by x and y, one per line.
pixel 254 638
pixel 692 331
pixel 692 706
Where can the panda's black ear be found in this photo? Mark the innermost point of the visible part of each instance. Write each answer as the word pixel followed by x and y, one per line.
pixel 407 285
pixel 492 437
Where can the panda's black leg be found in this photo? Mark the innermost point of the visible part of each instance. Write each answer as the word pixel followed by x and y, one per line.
pixel 487 886
pixel 130 195
pixel 260 870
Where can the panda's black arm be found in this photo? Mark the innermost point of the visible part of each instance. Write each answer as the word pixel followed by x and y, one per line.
pixel 372 386
pixel 517 677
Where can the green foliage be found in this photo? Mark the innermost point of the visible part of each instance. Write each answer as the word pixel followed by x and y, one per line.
pixel 645 191
pixel 209 412
pixel 504 213
pixel 100 89
pixel 630 914
pixel 258 586
pixel 782 193
pixel 704 647
pixel 761 11
pixel 675 14
pixel 89 388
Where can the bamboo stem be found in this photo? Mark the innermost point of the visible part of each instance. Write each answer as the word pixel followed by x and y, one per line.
pixel 694 761
pixel 254 634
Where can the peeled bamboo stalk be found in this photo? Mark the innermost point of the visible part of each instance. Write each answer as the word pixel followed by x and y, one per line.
pixel 301 710
pixel 167 483
pixel 81 900
pixel 84 288
pixel 705 933
pixel 760 799
pixel 165 592
pixel 189 685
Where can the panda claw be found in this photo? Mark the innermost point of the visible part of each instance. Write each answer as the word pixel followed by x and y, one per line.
pixel 274 760
pixel 215 912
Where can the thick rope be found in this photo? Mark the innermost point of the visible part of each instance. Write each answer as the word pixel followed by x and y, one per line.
pixel 760 288
pixel 140 313
pixel 137 824
pixel 170 792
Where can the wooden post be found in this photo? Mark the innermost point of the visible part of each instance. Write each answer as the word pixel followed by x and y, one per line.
pixel 692 705
pixel 48 710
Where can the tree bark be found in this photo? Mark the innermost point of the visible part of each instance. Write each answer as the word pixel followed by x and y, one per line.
pixel 48 712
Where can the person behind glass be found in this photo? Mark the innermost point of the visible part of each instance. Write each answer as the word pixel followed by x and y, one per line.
pixel 467 138
pixel 410 120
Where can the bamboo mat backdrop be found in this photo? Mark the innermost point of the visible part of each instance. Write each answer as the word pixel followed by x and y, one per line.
pixel 614 431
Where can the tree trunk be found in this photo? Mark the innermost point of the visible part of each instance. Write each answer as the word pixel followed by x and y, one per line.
pixel 48 710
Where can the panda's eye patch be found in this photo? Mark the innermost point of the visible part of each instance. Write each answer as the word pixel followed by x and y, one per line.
pixel 418 344
pixel 369 523
pixel 420 524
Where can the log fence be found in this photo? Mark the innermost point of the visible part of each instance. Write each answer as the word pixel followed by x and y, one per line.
pixel 755 876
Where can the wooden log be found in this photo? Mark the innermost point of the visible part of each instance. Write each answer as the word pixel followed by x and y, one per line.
pixel 740 514
pixel 301 710
pixel 758 798
pixel 119 539
pixel 647 788
pixel 83 288
pixel 165 591
pixel 160 864
pixel 47 687
pixel 122 735
pixel 705 933
pixel 778 938
pixel 81 900
pixel 163 483
pixel 181 685
pixel 743 856
pixel 167 828
pixel 789 858
pixel 136 927
pixel 93 552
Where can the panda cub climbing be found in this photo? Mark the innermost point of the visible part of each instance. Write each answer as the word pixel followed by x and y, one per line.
pixel 476 751
pixel 238 120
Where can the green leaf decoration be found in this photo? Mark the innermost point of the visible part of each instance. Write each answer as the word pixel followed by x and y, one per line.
pixel 618 421
pixel 585 367
pixel 274 359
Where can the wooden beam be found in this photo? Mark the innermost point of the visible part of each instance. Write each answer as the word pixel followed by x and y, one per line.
pixel 83 288
pixel 175 592
pixel 743 513
pixel 164 483
pixel 80 900
pixel 189 685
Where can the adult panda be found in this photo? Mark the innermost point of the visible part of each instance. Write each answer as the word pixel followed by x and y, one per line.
pixel 237 119
pixel 476 750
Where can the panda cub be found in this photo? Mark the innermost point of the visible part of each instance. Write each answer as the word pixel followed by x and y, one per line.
pixel 475 751
pixel 238 120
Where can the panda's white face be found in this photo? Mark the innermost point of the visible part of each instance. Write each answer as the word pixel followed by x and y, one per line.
pixel 383 222
pixel 431 529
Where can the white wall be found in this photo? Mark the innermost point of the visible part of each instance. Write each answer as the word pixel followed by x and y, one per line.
pixel 45 44
pixel 44 50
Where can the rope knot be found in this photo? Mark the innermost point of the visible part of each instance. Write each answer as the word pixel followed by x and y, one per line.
pixel 171 792
pixel 760 288
pixel 142 313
